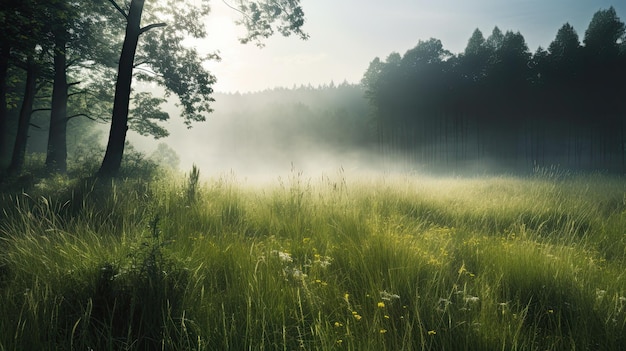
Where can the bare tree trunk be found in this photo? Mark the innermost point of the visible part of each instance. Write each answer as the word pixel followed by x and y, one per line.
pixel 119 123
pixel 5 54
pixel 19 150
pixel 56 159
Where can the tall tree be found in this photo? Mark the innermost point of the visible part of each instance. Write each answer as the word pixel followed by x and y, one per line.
pixel 475 57
pixel 81 35
pixel 30 89
pixel 602 51
pixel 56 157
pixel 563 67
pixel 180 69
pixel 20 22
pixel 604 83
pixel 604 33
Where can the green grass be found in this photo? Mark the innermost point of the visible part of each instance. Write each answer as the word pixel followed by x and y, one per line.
pixel 335 263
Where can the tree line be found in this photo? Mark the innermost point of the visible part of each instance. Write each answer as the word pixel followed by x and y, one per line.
pixel 497 101
pixel 77 59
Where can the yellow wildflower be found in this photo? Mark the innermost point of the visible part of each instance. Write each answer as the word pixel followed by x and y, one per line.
pixel 381 304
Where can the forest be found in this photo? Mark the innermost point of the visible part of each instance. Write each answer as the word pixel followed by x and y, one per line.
pixel 497 101
pixel 495 105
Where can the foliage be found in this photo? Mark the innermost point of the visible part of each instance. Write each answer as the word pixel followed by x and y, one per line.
pixel 405 262
pixel 259 18
pixel 145 113
pixel 179 69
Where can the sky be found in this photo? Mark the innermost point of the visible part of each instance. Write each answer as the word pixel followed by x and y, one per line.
pixel 346 35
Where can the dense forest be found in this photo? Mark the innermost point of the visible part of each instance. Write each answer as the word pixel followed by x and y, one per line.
pixel 495 104
pixel 498 102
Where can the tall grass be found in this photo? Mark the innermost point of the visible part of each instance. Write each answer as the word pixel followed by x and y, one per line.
pixel 335 263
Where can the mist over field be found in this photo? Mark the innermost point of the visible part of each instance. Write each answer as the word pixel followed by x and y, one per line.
pixel 503 99
pixel 267 134
pixel 495 107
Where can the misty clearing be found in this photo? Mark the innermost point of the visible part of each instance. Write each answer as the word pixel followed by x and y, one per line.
pixel 430 200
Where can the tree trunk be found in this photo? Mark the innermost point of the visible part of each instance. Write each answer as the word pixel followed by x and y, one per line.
pixel 5 53
pixel 19 150
pixel 119 123
pixel 56 159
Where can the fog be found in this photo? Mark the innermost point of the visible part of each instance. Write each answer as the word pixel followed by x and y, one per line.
pixel 261 136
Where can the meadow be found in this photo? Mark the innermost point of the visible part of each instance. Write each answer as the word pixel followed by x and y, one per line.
pixel 337 262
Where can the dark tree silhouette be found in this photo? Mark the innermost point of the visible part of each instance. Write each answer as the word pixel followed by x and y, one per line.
pixel 497 101
pixel 26 111
pixel 20 21
pixel 604 86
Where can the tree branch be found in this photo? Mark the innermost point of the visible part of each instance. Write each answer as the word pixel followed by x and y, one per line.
pixel 236 9
pixel 40 86
pixel 119 8
pixel 76 93
pixel 142 63
pixel 145 70
pixel 83 115
pixel 19 63
pixel 40 109
pixel 83 92
pixel 153 25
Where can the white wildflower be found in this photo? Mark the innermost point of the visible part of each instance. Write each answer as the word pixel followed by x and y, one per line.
pixel 284 256
pixel 384 295
pixel 471 299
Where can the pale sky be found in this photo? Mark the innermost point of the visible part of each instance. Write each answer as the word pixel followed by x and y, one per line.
pixel 348 34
